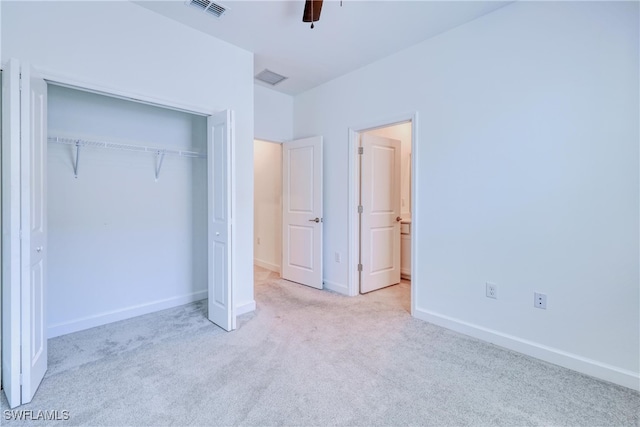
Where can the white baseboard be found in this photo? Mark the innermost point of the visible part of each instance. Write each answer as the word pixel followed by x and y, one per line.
pixel 138 310
pixel 245 307
pixel 575 362
pixel 121 314
pixel 267 265
pixel 336 287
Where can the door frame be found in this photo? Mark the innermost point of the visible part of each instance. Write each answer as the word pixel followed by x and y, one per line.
pixel 50 77
pixel 354 196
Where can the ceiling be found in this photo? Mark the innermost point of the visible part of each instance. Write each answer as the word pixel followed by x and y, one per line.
pixel 347 37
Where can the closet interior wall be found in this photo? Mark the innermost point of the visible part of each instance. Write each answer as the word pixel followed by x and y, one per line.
pixel 122 243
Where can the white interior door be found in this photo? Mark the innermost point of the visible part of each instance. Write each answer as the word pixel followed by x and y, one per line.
pixel 24 237
pixel 219 158
pixel 302 211
pixel 380 218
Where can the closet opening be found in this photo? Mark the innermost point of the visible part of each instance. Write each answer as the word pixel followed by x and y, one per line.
pixel 126 209
pixel 112 208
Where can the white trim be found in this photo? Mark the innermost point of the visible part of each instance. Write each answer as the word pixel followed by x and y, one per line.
pixel 336 287
pixel 246 307
pixel 352 220
pixel 415 215
pixel 269 266
pixel 55 78
pixel 122 314
pixel 571 361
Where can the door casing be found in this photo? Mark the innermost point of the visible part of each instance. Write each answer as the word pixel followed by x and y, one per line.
pixel 354 196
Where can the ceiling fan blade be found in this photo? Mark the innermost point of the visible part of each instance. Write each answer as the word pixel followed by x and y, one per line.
pixel 312 7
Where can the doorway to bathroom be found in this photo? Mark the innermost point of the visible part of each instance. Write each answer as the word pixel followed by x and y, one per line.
pixel 382 197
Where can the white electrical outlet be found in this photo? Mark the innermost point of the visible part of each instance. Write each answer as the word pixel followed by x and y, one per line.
pixel 337 257
pixel 492 290
pixel 258 240
pixel 540 300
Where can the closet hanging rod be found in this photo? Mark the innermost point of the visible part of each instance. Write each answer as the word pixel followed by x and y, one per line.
pixel 124 147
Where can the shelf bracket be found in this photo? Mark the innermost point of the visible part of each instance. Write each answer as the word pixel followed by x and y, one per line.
pixel 159 159
pixel 76 161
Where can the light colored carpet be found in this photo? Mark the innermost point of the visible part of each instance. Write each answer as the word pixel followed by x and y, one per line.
pixel 309 357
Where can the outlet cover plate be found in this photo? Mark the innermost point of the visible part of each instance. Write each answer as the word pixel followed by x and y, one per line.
pixel 540 300
pixel 492 290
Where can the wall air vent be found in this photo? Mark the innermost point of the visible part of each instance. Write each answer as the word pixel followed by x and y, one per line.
pixel 215 9
pixel 269 77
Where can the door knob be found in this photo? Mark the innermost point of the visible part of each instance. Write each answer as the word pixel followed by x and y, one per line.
pixel 39 249
pixel 398 218
pixel 316 220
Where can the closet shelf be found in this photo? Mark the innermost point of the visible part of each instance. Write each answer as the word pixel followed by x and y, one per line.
pixel 159 152
pixel 124 147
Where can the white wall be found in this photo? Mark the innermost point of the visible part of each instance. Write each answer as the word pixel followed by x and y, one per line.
pixel 273 112
pixel 120 243
pixel 157 58
pixel 273 115
pixel 267 160
pixel 402 133
pixel 526 171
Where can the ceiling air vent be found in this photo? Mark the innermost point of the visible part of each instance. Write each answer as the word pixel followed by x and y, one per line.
pixel 215 9
pixel 269 77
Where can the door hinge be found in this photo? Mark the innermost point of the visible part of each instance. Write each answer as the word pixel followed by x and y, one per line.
pixel 360 209
pixel 359 267
pixel 360 150
pixel 21 383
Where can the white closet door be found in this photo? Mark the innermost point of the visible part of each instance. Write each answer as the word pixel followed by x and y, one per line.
pixel 34 232
pixel 24 341
pixel 219 154
pixel 11 232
